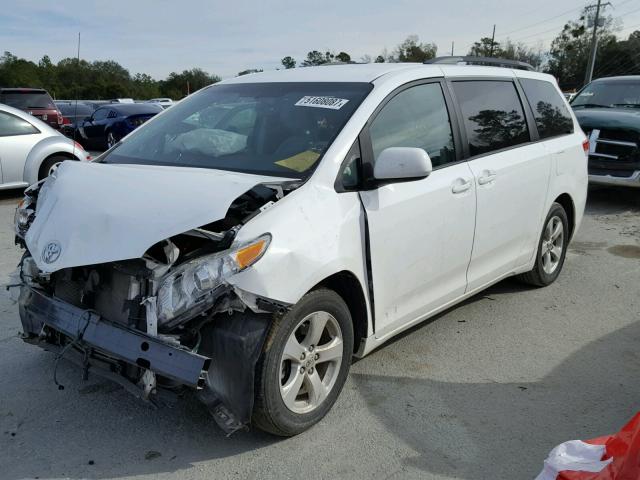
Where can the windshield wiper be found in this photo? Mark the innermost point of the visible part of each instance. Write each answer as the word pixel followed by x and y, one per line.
pixel 591 105
pixel 630 105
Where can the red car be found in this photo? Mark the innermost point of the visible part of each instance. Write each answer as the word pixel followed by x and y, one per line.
pixel 34 101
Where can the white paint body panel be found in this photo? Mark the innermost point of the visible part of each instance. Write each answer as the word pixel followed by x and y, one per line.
pixel 22 155
pixel 510 207
pixel 103 213
pixel 421 236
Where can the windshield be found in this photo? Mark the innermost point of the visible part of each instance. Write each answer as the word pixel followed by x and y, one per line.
pixel 278 129
pixel 26 100
pixel 609 94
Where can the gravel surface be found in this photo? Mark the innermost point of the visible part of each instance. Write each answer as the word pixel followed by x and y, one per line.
pixel 483 391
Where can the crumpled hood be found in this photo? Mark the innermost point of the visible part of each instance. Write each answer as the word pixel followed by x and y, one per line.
pixel 90 213
pixel 617 118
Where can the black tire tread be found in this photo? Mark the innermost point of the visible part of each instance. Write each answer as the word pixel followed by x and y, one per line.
pixel 262 416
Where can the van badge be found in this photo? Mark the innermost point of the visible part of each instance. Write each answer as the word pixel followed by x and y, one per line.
pixel 51 252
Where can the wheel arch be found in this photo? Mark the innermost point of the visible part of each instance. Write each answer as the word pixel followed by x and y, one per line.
pixel 569 207
pixel 347 285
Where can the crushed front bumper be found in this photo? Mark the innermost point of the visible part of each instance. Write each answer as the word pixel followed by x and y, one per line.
pixel 89 330
pixel 223 380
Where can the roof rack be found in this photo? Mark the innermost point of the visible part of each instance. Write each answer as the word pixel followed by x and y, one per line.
pixel 486 61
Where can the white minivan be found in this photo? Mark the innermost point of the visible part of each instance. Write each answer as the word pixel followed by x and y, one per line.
pixel 249 241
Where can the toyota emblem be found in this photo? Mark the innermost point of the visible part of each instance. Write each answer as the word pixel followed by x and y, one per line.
pixel 51 252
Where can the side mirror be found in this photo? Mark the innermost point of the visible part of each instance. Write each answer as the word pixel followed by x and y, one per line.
pixel 402 163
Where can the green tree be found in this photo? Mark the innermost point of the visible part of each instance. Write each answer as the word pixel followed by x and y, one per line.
pixel 249 70
pixel 343 57
pixel 315 58
pixel 379 59
pixel 411 50
pixel 569 51
pixel 486 47
pixel 288 62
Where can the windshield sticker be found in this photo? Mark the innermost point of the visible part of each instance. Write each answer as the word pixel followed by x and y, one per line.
pixel 300 162
pixel 322 102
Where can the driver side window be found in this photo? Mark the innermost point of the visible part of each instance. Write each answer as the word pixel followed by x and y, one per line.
pixel 415 117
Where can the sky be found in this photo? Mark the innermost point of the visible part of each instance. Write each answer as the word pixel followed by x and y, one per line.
pixel 226 37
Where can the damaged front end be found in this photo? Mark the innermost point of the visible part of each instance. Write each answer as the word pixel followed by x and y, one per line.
pixel 166 322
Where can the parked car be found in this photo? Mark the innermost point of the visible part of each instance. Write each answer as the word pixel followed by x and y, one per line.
pixel 249 241
pixel 30 149
pixel 34 101
pixel 109 123
pixel 163 102
pixel 608 110
pixel 73 113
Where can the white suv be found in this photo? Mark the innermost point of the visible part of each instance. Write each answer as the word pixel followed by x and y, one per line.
pixel 248 241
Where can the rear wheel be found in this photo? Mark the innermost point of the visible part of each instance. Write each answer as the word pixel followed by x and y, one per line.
pixel 552 249
pixel 50 165
pixel 304 364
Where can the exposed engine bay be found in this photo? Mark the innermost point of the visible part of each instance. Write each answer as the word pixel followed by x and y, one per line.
pixel 165 322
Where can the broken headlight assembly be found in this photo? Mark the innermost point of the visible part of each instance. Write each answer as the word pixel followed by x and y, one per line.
pixel 193 283
pixel 23 216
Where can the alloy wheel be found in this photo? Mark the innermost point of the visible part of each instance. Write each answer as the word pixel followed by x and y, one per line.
pixel 111 140
pixel 552 245
pixel 310 362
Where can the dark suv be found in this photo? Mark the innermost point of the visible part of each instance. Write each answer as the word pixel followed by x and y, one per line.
pixel 35 101
pixel 608 110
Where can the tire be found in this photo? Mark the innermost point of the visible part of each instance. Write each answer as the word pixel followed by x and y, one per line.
pixel 49 165
pixel 550 257
pixel 278 372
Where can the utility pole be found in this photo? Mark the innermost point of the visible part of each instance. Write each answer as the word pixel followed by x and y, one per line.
pixel 493 37
pixel 594 41
pixel 452 49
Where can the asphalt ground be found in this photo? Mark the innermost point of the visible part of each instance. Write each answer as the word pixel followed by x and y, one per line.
pixel 482 391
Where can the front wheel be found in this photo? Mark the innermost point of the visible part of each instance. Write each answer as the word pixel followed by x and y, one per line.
pixel 552 249
pixel 50 165
pixel 304 364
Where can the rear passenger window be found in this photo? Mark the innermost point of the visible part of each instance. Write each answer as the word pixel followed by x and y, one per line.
pixel 415 117
pixel 551 113
pixel 11 125
pixel 492 113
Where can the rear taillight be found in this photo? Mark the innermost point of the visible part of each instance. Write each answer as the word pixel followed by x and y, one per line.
pixel 66 121
pixel 585 146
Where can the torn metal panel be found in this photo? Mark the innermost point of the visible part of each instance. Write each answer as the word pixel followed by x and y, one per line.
pixel 89 213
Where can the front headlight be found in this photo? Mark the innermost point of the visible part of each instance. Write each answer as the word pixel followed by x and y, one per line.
pixel 192 283
pixel 23 216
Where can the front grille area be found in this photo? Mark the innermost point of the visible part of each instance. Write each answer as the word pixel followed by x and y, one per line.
pixel 613 152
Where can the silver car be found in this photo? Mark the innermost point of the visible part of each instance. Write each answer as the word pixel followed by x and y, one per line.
pixel 31 149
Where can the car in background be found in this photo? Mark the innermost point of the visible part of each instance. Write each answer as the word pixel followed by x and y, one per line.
pixel 34 101
pixel 30 149
pixel 608 110
pixel 163 102
pixel 72 113
pixel 110 123
pixel 122 100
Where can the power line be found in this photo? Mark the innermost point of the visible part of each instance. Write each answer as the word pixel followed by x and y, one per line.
pixel 542 21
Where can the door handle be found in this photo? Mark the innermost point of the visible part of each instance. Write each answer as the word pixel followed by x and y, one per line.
pixel 488 176
pixel 460 185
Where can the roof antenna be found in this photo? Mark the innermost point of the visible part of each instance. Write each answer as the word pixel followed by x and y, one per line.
pixel 75 110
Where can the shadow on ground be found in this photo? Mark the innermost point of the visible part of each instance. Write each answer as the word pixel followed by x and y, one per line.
pixel 597 386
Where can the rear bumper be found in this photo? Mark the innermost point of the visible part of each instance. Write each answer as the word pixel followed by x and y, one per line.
pixel 90 331
pixel 632 181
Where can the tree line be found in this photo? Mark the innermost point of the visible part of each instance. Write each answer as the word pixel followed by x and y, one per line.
pixel 70 78
pixel 566 59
